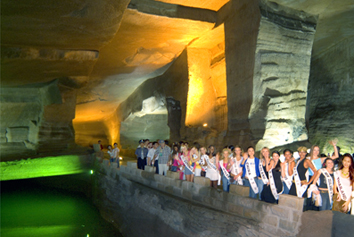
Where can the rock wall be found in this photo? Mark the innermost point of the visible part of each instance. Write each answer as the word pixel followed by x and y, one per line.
pixel 36 119
pixel 173 84
pixel 241 30
pixel 128 197
pixel 330 104
pixel 281 73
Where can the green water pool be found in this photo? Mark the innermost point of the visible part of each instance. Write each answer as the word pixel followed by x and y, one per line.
pixel 45 207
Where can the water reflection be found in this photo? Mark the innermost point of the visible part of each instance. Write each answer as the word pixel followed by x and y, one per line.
pixel 50 207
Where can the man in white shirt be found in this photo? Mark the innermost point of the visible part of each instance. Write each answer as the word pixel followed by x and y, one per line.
pixel 151 152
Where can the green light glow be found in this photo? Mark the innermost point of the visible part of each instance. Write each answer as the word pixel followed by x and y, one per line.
pixel 91 171
pixel 40 167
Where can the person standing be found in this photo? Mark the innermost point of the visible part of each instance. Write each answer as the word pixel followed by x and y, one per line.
pixel 141 154
pixel 116 154
pixel 163 153
pixel 325 186
pixel 274 186
pixel 151 153
pixel 225 168
pixel 250 174
pixel 212 170
pixel 298 170
pixel 236 169
pixel 111 154
pixel 343 185
pixel 286 171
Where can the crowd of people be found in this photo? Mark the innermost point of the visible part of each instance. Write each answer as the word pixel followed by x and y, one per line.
pixel 325 181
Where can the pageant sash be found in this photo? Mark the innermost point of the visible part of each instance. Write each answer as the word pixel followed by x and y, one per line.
pixel 235 167
pixel 272 185
pixel 287 178
pixel 202 162
pixel 263 175
pixel 299 189
pixel 209 163
pixel 250 178
pixel 329 184
pixel 345 196
pixel 315 197
pixel 226 174
pixel 186 164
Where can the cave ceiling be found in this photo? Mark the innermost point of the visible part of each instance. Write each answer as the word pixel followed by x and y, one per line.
pixel 107 48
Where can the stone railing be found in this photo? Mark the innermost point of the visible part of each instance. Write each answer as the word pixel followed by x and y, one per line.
pixel 283 219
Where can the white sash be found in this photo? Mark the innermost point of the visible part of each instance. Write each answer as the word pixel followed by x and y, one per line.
pixel 315 197
pixel 287 179
pixel 186 163
pixel 226 174
pixel 299 189
pixel 239 179
pixel 329 184
pixel 272 185
pixel 263 175
pixel 345 196
pixel 202 162
pixel 250 178
pixel 209 163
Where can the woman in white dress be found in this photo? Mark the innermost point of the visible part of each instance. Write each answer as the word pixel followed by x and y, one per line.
pixel 212 170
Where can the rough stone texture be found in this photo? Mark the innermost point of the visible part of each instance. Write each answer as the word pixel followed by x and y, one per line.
pixel 140 39
pixel 281 72
pixel 241 30
pixel 30 123
pixel 330 109
pixel 137 205
pixel 239 190
pixel 262 218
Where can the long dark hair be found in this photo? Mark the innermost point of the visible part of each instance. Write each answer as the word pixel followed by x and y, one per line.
pixel 351 167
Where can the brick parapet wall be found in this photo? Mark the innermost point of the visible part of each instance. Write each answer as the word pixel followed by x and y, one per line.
pixel 283 219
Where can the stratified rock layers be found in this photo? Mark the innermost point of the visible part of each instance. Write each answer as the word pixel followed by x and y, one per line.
pixel 36 119
pixel 281 72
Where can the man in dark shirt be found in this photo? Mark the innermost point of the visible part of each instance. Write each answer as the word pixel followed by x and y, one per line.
pixel 141 154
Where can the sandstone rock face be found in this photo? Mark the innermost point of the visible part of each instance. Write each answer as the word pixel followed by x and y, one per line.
pixel 150 122
pixel 281 72
pixel 36 119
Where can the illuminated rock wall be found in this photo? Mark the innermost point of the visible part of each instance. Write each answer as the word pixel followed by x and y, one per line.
pixel 281 73
pixel 172 85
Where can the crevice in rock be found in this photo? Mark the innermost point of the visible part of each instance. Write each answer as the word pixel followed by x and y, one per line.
pixel 268 79
pixel 269 64
pixel 173 10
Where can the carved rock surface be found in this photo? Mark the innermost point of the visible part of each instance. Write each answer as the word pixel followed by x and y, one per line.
pixel 281 73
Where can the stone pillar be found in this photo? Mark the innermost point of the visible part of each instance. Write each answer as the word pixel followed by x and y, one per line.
pixel 268 52
pixel 241 30
pixel 281 73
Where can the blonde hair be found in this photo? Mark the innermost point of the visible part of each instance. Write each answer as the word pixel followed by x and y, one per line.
pixel 261 155
pixel 302 148
pixel 240 149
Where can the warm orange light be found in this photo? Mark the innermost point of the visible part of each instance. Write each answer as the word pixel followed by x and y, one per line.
pixel 195 92
pixel 205 125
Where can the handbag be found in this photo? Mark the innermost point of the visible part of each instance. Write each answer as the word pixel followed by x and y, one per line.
pixel 337 205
